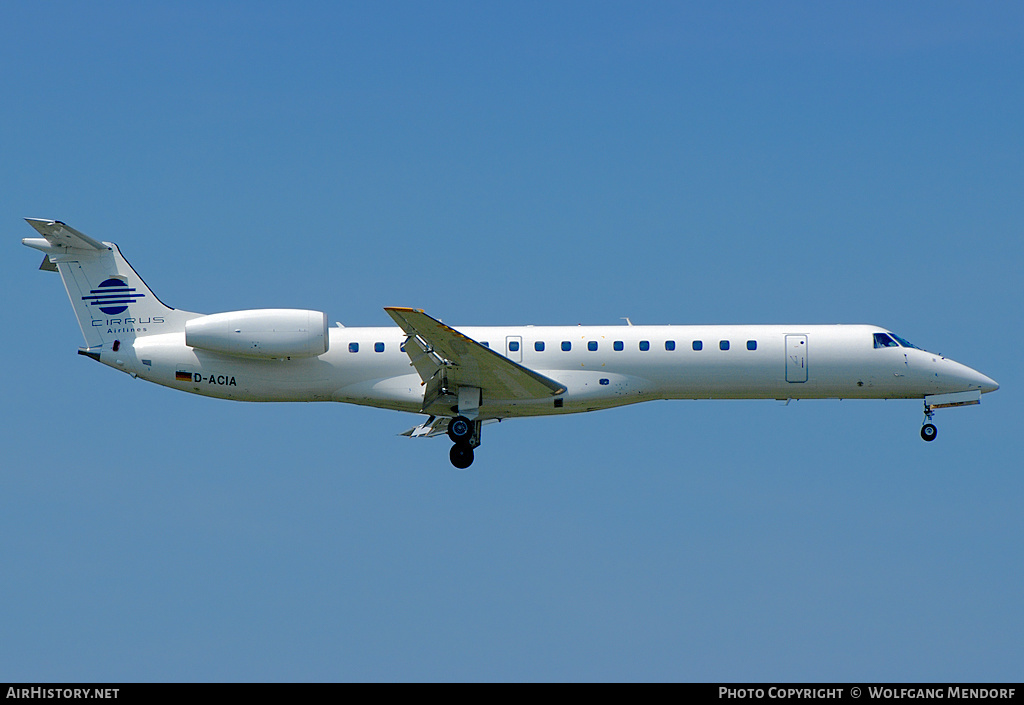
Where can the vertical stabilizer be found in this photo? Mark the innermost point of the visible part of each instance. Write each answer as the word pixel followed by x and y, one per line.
pixel 109 298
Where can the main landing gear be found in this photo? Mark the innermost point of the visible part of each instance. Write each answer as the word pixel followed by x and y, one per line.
pixel 461 455
pixel 928 430
pixel 465 435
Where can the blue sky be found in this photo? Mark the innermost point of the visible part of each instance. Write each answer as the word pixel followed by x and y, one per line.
pixel 516 163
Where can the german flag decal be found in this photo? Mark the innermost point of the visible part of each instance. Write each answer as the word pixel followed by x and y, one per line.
pixel 180 376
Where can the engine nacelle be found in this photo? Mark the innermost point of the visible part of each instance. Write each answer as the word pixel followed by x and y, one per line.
pixel 261 333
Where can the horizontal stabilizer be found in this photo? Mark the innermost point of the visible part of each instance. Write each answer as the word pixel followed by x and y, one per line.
pixel 58 234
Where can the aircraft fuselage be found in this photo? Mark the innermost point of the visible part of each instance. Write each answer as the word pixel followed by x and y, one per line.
pixel 368 366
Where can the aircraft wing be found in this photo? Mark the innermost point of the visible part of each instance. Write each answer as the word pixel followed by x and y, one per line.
pixel 446 359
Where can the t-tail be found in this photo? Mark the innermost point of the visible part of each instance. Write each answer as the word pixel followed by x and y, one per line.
pixel 113 305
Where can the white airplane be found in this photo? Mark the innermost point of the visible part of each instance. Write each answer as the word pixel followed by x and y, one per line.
pixel 463 378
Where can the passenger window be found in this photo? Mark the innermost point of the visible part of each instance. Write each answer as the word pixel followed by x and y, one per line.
pixel 513 346
pixel 353 347
pixel 378 347
pixel 539 346
pixel 566 346
pixel 645 345
pixel 698 345
pixel 751 345
pixel 592 346
pixel 670 345
pixel 884 341
pixel 617 346
pixel 723 344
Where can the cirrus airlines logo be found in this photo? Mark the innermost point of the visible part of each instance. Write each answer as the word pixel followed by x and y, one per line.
pixel 112 296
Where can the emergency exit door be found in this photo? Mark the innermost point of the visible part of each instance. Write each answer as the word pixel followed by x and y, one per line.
pixel 796 358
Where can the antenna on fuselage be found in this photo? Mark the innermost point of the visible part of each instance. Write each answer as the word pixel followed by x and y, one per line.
pixel 626 319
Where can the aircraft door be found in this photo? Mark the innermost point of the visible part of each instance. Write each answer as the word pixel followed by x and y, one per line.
pixel 514 348
pixel 796 358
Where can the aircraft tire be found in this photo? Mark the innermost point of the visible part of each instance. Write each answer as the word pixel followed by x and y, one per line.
pixel 460 429
pixel 929 432
pixel 461 455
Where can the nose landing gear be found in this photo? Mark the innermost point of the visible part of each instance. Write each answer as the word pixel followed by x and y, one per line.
pixel 465 435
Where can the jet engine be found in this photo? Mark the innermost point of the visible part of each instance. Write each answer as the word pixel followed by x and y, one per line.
pixel 261 333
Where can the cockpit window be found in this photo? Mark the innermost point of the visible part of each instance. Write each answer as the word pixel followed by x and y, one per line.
pixel 905 343
pixel 882 340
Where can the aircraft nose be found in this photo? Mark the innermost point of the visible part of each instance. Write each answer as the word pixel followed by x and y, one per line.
pixel 987 384
pixel 970 378
pixel 979 381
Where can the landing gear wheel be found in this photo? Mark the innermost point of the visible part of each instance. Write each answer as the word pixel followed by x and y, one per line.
pixel 929 432
pixel 460 430
pixel 461 455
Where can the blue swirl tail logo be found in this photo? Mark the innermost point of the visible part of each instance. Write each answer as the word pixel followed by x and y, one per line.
pixel 112 296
